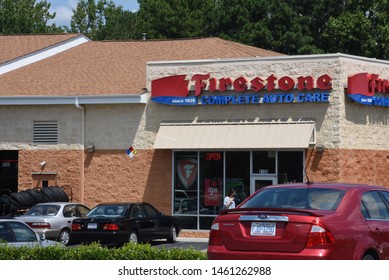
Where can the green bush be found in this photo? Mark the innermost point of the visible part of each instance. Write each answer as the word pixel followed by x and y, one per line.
pixel 96 252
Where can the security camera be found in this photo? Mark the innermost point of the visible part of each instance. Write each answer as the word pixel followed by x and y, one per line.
pixel 42 163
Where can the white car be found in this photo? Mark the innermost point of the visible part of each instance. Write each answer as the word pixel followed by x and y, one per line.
pixel 54 219
pixel 16 233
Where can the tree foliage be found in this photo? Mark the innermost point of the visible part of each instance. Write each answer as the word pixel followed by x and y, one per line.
pixel 176 18
pixel 357 27
pixel 24 17
pixel 103 20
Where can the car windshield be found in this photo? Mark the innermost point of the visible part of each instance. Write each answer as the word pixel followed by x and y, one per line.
pixel 43 210
pixel 300 198
pixel 107 211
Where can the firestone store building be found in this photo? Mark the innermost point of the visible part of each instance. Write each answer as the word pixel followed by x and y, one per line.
pixel 246 123
pixel 202 127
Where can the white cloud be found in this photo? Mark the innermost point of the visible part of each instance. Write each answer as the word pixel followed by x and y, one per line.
pixel 64 9
pixel 63 15
pixel 63 12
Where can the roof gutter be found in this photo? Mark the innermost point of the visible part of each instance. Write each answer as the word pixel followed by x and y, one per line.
pixel 70 100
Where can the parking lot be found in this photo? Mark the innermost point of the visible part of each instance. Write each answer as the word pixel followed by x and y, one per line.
pixel 185 243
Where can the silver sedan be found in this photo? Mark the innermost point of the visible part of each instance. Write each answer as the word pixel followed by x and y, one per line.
pixel 16 233
pixel 54 219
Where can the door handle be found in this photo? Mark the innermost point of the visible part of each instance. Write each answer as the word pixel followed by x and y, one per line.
pixel 377 231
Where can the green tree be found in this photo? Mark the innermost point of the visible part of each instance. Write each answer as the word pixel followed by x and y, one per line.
pixel 350 33
pixel 176 18
pixel 378 14
pixel 85 18
pixel 24 17
pixel 103 20
pixel 120 25
pixel 272 25
pixel 354 29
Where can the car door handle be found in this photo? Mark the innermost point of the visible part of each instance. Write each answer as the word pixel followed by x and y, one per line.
pixel 377 231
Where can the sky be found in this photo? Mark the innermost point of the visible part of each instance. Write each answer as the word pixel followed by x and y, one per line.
pixel 64 8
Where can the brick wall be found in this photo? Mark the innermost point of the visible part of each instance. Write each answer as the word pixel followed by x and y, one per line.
pixel 348 166
pixel 113 176
pixel 62 168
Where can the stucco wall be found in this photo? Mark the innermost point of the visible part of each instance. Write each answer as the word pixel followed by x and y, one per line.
pixel 16 123
pixel 112 126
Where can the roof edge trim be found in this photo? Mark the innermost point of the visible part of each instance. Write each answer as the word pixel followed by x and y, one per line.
pixel 69 100
pixel 42 54
pixel 267 58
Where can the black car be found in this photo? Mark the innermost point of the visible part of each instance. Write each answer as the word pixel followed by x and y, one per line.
pixel 118 223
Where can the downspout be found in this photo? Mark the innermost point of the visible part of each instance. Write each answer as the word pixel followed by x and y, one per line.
pixel 82 167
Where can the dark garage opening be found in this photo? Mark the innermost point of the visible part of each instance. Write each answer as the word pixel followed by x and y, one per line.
pixel 8 172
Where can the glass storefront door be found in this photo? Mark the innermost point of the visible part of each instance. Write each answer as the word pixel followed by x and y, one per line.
pixel 258 182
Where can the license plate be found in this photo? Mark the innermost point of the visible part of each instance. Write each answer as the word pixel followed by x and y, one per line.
pixel 263 229
pixel 92 226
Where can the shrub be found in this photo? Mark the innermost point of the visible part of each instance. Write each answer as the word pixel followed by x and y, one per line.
pixel 96 252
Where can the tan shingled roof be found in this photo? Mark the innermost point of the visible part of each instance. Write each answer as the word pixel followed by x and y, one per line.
pixel 12 47
pixel 113 67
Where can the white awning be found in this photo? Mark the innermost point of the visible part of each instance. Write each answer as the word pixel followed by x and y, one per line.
pixel 287 135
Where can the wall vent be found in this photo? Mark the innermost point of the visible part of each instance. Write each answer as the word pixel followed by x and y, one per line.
pixel 45 132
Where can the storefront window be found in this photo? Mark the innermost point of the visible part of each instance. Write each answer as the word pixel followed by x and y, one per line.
pixel 202 179
pixel 211 182
pixel 238 174
pixel 290 167
pixel 264 162
pixel 185 188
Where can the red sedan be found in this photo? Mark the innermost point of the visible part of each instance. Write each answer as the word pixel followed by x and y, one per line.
pixel 305 221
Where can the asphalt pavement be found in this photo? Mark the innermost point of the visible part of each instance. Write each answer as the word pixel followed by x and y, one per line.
pixel 200 244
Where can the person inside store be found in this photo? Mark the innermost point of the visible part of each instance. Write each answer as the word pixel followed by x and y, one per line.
pixel 229 200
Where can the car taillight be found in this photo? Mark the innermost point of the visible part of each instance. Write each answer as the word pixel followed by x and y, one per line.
pixel 76 227
pixel 111 227
pixel 319 236
pixel 39 225
pixel 215 238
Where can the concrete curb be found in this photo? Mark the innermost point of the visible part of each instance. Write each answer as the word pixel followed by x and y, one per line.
pixel 189 239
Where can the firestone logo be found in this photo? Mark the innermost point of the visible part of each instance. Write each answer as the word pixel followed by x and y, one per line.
pixel 364 87
pixel 173 90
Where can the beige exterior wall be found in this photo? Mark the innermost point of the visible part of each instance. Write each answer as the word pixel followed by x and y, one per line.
pixel 112 126
pixel 16 124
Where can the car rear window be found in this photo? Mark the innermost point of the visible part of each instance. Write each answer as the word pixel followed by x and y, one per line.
pixel 300 198
pixel 43 210
pixel 107 211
